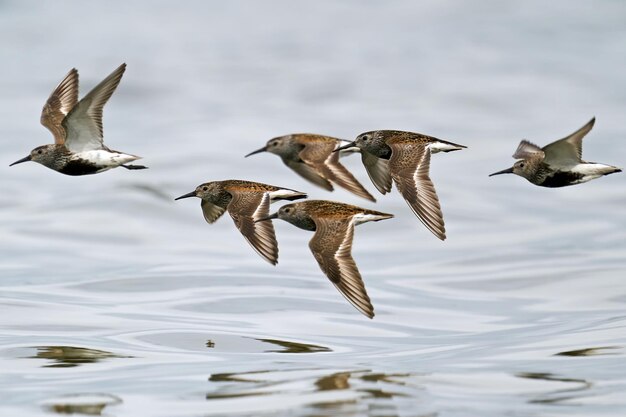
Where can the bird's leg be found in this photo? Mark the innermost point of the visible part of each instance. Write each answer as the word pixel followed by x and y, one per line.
pixel 134 167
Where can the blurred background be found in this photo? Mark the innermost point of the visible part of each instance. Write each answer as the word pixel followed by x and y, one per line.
pixel 116 300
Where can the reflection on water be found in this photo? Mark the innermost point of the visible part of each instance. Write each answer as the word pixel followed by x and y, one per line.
pixel 89 404
pixel 595 351
pixel 560 395
pixel 333 382
pixel 235 377
pixel 294 347
pixel 69 356
pixel 375 390
pixel 328 394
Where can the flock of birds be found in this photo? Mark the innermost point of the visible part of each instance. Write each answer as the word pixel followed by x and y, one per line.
pixel 389 156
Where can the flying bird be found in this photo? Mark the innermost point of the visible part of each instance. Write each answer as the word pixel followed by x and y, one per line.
pixel 312 157
pixel 78 147
pixel 333 224
pixel 404 158
pixel 246 202
pixel 558 164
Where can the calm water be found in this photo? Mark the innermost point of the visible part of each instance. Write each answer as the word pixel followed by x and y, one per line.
pixel 116 300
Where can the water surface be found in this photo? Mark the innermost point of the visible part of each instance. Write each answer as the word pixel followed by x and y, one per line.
pixel 115 300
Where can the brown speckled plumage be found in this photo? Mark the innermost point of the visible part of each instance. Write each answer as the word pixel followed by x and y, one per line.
pixel 246 202
pixel 331 244
pixel 312 157
pixel 404 158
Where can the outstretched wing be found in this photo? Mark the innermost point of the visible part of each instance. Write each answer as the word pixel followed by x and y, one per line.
pixel 378 171
pixel 332 245
pixel 320 157
pixel 246 208
pixel 344 178
pixel 84 123
pixel 59 104
pixel 211 211
pixel 409 165
pixel 527 150
pixel 310 173
pixel 568 151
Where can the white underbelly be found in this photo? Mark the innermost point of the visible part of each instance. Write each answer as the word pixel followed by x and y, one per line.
pixel 105 158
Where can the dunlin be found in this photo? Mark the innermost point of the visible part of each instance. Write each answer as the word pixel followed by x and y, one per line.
pixel 312 157
pixel 558 164
pixel 246 202
pixel 77 128
pixel 404 157
pixel 331 244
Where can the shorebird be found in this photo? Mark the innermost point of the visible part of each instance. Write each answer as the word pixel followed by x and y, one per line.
pixel 331 244
pixel 312 157
pixel 404 157
pixel 78 147
pixel 558 164
pixel 246 202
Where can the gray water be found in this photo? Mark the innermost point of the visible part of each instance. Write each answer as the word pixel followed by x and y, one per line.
pixel 116 300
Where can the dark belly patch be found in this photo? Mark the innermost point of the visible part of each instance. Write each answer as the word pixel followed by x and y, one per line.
pixel 561 179
pixel 80 167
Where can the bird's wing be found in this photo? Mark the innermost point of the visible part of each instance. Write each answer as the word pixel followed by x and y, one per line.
pixel 316 152
pixel 246 208
pixel 409 165
pixel 211 211
pixel 378 171
pixel 309 173
pixel 527 150
pixel 321 158
pixel 332 245
pixel 84 123
pixel 59 104
pixel 344 178
pixel 568 151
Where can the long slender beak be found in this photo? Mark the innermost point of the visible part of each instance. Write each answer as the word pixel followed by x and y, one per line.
pixel 349 145
pixel 263 149
pixel 504 171
pixel 26 159
pixel 270 217
pixel 191 194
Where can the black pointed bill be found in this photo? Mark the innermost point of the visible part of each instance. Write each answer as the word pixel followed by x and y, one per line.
pixel 270 217
pixel 349 145
pixel 191 194
pixel 26 159
pixel 504 171
pixel 263 149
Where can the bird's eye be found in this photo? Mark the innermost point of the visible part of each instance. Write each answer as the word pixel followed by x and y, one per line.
pixel 205 188
pixel 39 151
pixel 365 137
pixel 274 143
pixel 287 210
pixel 521 165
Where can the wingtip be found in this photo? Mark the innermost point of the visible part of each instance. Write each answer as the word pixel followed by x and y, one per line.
pixel 121 69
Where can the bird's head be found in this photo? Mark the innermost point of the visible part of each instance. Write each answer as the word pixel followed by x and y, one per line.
pixel 45 155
